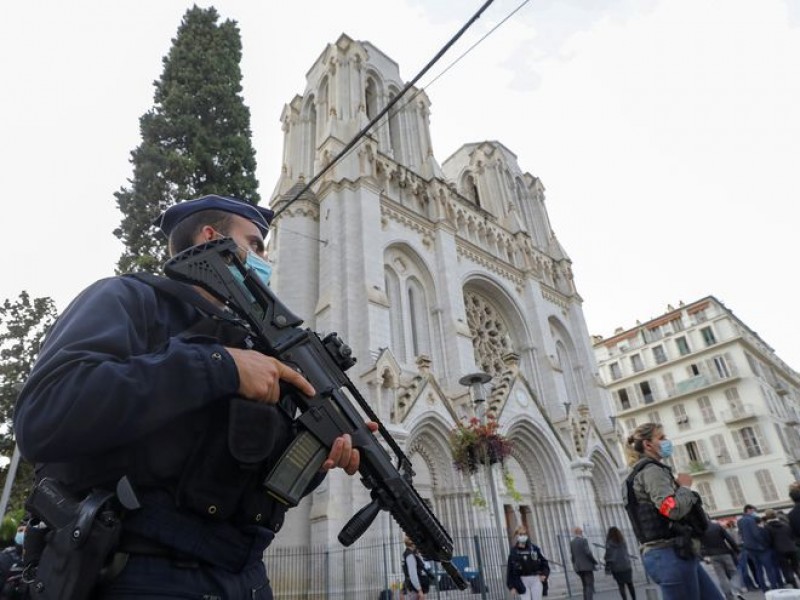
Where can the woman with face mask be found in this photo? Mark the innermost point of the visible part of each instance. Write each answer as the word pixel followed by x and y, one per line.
pixel 527 571
pixel 667 518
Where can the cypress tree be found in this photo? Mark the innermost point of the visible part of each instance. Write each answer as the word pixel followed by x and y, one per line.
pixel 195 139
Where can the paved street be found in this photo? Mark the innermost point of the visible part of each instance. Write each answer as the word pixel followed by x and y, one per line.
pixel 641 594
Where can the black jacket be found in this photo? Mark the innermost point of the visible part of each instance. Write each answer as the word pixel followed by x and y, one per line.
pixel 133 381
pixel 716 541
pixel 794 521
pixel 780 536
pixel 528 560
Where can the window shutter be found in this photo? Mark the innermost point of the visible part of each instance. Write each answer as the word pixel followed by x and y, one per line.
pixel 732 394
pixel 735 490
pixel 709 368
pixel 737 437
pixel 681 457
pixel 636 396
pixel 762 439
pixel 704 489
pixel 701 449
pixel 730 363
pixel 720 449
pixel 669 384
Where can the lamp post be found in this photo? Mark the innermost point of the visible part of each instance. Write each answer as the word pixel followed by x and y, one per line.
pixel 475 383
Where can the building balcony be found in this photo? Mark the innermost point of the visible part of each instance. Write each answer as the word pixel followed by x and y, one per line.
pixel 701 467
pixel 741 413
pixel 704 380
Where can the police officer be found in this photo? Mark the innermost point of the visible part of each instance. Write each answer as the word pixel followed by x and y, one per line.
pixel 667 518
pixel 157 383
pixel 528 569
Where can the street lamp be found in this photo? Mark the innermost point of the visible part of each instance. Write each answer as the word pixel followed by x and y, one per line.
pixel 475 383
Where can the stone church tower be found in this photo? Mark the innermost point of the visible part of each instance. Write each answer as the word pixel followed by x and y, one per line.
pixel 431 272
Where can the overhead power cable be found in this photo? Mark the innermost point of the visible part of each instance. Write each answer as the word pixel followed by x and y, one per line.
pixel 452 64
pixel 388 107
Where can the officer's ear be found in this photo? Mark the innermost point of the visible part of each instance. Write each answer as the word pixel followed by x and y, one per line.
pixel 207 233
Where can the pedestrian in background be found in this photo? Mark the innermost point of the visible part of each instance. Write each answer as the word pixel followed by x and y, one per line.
pixel 782 545
pixel 618 562
pixel 744 566
pixel 416 578
pixel 794 514
pixel 756 543
pixel 720 549
pixel 584 562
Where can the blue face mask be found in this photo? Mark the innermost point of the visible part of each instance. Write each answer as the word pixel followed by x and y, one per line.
pixel 665 449
pixel 262 268
pixel 19 539
pixel 253 261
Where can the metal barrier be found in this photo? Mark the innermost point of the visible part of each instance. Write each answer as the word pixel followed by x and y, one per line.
pixel 367 570
pixel 372 570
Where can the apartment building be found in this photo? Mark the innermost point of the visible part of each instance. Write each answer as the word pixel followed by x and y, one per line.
pixel 730 405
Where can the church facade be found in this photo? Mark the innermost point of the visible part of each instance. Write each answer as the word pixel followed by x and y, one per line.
pixel 431 272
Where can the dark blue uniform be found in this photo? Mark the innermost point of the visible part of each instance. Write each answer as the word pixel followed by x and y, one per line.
pixel 124 386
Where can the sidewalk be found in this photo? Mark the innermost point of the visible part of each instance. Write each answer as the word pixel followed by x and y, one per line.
pixel 641 594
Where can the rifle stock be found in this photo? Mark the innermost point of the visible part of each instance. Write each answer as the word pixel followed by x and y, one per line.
pixel 217 267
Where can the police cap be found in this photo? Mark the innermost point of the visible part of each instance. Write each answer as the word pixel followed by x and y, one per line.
pixel 259 216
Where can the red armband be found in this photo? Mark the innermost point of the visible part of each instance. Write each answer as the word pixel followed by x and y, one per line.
pixel 667 505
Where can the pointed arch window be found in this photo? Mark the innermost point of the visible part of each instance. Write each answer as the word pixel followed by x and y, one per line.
pixel 395 312
pixel 567 372
pixel 409 312
pixel 471 190
pixel 371 98
pixel 418 318
pixel 309 136
pixel 394 129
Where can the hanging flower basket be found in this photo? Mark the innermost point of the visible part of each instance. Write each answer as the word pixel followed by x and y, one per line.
pixel 476 443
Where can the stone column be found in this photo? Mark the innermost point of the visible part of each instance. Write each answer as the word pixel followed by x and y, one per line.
pixel 586 510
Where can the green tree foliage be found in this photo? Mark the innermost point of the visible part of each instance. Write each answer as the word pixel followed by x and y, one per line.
pixel 195 140
pixel 8 526
pixel 23 324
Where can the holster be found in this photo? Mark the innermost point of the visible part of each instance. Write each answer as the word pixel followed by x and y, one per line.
pixel 71 544
pixel 684 546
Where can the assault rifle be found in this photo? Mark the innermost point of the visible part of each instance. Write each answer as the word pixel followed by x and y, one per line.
pixel 218 268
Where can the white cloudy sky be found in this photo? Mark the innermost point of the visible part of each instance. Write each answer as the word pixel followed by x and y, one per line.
pixel 667 132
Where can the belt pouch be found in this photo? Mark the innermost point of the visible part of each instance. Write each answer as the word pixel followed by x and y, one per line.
pixel 224 464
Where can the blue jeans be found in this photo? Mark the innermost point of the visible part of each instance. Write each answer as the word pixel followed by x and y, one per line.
pixel 763 561
pixel 744 569
pixel 679 578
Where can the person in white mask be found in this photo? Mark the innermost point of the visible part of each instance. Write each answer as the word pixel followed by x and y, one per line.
pixel 528 569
